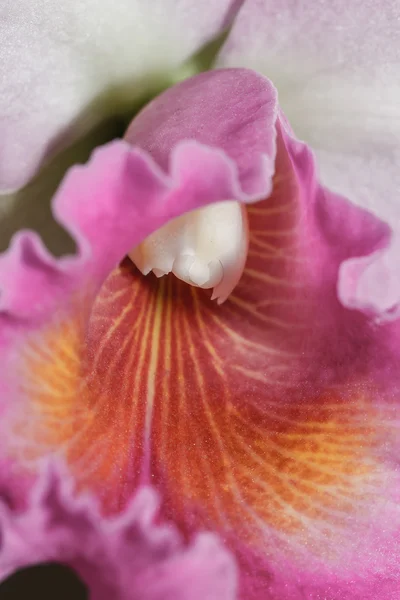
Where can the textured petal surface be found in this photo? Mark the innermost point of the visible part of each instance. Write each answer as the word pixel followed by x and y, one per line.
pixel 125 558
pixel 336 70
pixel 230 109
pixel 272 420
pixel 218 234
pixel 65 66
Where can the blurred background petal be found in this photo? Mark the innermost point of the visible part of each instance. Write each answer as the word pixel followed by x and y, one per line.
pixel 336 67
pixel 67 65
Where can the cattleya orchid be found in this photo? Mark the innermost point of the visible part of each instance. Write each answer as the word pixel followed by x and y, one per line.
pixel 244 448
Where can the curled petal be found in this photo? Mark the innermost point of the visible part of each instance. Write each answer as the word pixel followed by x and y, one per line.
pixel 232 110
pixel 336 71
pixel 122 558
pixel 69 66
pixel 272 419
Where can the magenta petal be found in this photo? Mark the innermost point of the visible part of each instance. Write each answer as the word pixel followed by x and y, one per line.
pixel 122 195
pixel 124 558
pixel 336 72
pixel 272 419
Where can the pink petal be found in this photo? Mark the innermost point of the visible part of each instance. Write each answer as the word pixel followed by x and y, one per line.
pixel 272 420
pixel 336 71
pixel 132 191
pixel 206 108
pixel 124 558
pixel 67 67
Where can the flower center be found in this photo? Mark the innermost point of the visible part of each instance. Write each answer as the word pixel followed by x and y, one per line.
pixel 206 248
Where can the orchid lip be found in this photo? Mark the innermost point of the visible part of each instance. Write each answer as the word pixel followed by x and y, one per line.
pixel 271 422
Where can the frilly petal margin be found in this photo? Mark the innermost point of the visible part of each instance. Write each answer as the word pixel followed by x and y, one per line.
pixel 372 284
pixel 127 557
pixel 286 399
pixel 234 110
pixel 338 218
pixel 109 206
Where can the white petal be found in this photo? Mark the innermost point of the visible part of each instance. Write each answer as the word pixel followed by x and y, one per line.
pixel 336 66
pixel 67 63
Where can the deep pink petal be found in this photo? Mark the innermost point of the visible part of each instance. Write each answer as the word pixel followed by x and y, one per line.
pixel 336 71
pixel 124 558
pixel 64 68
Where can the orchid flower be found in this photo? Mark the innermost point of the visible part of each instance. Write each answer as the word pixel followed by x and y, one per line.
pixel 240 448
